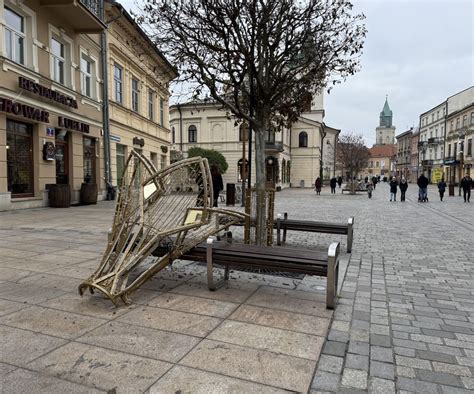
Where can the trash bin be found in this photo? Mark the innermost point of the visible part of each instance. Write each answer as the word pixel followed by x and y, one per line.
pixel 88 193
pixel 230 194
pixel 59 195
pixel 451 190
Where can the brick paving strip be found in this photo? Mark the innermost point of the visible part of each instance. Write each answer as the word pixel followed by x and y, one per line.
pixel 405 323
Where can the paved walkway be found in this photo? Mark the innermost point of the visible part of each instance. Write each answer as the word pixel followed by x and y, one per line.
pixel 405 319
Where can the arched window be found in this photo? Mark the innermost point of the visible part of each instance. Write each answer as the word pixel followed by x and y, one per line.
pixel 192 133
pixel 173 135
pixel 303 139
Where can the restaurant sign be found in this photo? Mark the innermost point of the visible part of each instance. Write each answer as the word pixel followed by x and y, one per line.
pixel 46 92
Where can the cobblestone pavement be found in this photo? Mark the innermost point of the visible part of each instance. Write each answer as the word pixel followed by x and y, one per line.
pixel 404 322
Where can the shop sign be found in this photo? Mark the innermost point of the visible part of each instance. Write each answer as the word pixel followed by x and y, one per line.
pixel 50 131
pixel 71 124
pixel 11 107
pixel 139 141
pixel 436 174
pixel 46 92
pixel 49 151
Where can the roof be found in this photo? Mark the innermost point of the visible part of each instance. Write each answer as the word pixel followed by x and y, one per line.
pixel 383 151
pixel 404 134
pixel 386 111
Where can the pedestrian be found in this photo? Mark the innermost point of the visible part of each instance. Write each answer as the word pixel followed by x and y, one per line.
pixel 333 183
pixel 217 183
pixel 466 184
pixel 339 181
pixel 318 185
pixel 370 188
pixel 374 181
pixel 423 188
pixel 366 180
pixel 403 188
pixel 441 188
pixel 393 189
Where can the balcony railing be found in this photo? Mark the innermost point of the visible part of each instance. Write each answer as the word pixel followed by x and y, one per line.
pixel 93 6
pixel 434 140
pixel 274 145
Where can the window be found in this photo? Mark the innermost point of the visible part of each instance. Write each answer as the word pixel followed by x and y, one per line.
pixel 455 148
pixel 19 159
pixel 303 139
pixel 89 156
pixel 464 120
pixel 163 161
pixel 432 117
pixel 469 147
pixel 173 135
pixel 14 36
pixel 135 94
pixel 162 112
pixel 151 104
pixel 87 76
pixel 118 82
pixel 58 51
pixel 377 164
pixel 437 115
pixel 452 125
pixel 154 159
pixel 120 155
pixel 192 133
pixel 472 117
pixel 449 150
pixel 457 123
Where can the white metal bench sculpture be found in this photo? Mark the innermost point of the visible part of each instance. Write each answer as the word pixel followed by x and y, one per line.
pixel 167 210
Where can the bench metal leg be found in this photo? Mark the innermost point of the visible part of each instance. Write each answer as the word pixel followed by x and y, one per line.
pixel 350 233
pixel 285 216
pixel 213 285
pixel 333 275
pixel 278 223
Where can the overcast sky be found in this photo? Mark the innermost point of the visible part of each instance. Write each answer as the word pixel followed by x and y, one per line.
pixel 418 52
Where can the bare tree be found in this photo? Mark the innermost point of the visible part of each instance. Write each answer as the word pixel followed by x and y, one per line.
pixel 261 59
pixel 352 155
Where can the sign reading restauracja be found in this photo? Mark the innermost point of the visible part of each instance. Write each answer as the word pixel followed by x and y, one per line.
pixel 46 92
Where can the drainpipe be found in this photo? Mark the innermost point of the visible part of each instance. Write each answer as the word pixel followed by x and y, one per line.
pixel 105 116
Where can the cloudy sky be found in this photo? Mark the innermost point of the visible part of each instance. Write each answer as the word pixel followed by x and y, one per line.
pixel 418 52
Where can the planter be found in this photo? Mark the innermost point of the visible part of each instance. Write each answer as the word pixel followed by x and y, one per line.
pixel 88 193
pixel 59 196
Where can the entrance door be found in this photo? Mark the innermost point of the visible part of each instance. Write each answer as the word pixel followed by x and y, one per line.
pixel 62 157
pixel 89 160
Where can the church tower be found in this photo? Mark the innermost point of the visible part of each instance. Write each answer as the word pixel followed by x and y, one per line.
pixel 385 132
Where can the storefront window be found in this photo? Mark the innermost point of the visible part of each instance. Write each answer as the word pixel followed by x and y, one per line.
pixel 19 159
pixel 89 160
pixel 120 155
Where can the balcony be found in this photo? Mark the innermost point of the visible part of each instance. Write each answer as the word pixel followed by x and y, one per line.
pixel 434 140
pixel 84 16
pixel 422 144
pixel 427 163
pixel 275 146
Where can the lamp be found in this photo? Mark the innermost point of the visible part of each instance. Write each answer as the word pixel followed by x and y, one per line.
pixel 270 161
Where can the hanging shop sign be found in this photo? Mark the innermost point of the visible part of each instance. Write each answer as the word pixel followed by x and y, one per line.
pixel 164 149
pixel 74 125
pixel 49 151
pixel 139 141
pixel 26 111
pixel 46 92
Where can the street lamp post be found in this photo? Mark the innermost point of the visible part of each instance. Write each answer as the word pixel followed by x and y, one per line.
pixel 461 134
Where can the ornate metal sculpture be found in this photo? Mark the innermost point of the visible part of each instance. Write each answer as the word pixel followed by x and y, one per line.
pixel 164 212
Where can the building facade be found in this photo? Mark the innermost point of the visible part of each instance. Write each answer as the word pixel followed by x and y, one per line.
pixel 459 135
pixel 431 142
pixel 414 156
pixel 50 99
pixel 294 157
pixel 385 132
pixel 138 78
pixel 403 160
pixel 382 159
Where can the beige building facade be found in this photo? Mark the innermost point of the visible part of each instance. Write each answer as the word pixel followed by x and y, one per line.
pixel 138 92
pixel 404 145
pixel 50 100
pixel 294 157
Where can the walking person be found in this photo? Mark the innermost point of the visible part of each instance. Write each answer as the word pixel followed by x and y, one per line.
pixel 403 188
pixel 393 189
pixel 423 188
pixel 441 188
pixel 318 185
pixel 339 181
pixel 466 184
pixel 374 181
pixel 333 183
pixel 370 188
pixel 217 183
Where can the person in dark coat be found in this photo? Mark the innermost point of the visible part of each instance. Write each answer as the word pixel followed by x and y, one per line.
pixel 423 188
pixel 333 183
pixel 441 188
pixel 339 181
pixel 466 184
pixel 393 189
pixel 217 183
pixel 374 181
pixel 318 185
pixel 403 188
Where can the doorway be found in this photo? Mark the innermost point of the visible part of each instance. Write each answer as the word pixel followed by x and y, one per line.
pixel 62 157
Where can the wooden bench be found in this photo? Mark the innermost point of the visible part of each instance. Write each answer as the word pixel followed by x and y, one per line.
pixel 280 259
pixel 286 224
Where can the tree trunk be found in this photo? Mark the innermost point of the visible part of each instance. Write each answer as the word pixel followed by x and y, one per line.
pixel 260 175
